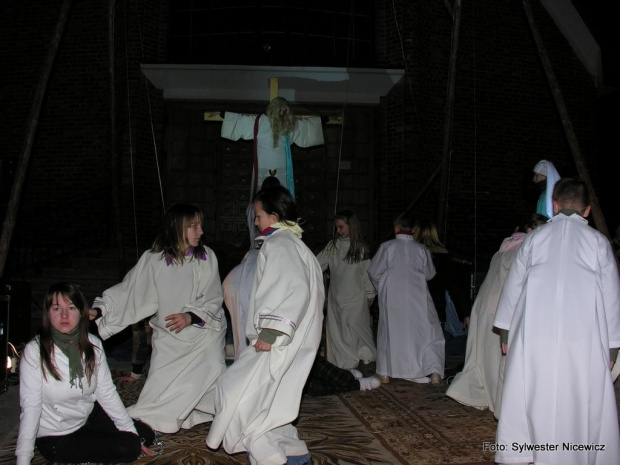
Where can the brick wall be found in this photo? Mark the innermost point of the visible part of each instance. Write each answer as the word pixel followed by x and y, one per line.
pixel 505 118
pixel 68 189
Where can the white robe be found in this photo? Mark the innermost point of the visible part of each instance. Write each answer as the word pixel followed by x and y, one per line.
pixel 348 329
pixel 179 390
pixel 308 132
pixel 561 303
pixel 410 342
pixel 237 288
pixel 258 396
pixel 478 385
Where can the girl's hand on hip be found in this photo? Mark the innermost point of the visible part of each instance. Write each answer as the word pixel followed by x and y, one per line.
pixel 178 321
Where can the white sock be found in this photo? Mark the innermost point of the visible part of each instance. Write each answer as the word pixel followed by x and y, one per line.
pixel 358 374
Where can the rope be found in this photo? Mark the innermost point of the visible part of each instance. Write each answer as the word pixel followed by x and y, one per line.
pixel 475 261
pixel 344 105
pixel 402 51
pixel 148 98
pixel 133 190
pixel 131 144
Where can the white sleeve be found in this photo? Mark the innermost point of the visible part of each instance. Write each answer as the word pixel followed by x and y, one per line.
pixel 30 399
pixel 308 132
pixel 378 266
pixel 610 290
pixel 237 126
pixel 512 289
pixel 130 301
pixel 429 269
pixel 282 292
pixel 208 304
pixel 323 257
pixel 371 292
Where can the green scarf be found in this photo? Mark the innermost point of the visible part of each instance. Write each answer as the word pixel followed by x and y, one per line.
pixel 68 343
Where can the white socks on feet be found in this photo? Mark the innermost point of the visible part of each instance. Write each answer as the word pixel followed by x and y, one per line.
pixel 366 384
pixel 356 373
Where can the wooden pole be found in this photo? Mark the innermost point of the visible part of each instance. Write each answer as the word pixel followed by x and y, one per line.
pixel 114 162
pixel 445 163
pixel 597 215
pixel 273 88
pixel 31 130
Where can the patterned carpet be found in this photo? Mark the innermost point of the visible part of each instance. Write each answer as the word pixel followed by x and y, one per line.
pixel 399 423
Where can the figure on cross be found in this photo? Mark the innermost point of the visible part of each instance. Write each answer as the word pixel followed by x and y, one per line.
pixel 273 133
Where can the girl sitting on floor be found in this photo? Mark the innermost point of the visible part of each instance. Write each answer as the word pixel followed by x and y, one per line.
pixel 70 407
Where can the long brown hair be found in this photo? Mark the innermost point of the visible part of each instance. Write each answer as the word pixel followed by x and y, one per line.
pixel 72 292
pixel 358 249
pixel 172 240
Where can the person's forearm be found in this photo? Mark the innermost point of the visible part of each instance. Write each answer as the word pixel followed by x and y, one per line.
pixel 268 335
pixel 503 336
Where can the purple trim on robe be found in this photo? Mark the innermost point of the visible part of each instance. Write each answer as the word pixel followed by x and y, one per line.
pixel 190 251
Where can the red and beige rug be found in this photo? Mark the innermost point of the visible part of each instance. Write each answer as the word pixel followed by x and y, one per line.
pixel 399 423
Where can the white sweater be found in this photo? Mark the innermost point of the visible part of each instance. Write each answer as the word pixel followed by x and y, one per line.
pixel 53 408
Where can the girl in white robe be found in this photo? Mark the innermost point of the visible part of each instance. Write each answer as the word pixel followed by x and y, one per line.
pixel 480 383
pixel 177 284
pixel 348 330
pixel 259 395
pixel 410 341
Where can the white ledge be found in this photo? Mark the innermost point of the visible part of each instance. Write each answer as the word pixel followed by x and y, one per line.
pixel 251 83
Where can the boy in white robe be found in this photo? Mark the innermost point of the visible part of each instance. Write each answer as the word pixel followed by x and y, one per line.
pixel 258 397
pixel 561 305
pixel 410 341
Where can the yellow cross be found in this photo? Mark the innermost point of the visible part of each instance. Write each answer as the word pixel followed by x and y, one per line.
pixel 273 93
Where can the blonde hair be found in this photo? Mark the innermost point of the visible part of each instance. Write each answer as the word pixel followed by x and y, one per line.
pixel 426 233
pixel 281 118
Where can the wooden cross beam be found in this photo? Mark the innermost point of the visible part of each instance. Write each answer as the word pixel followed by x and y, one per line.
pixel 273 93
pixel 273 88
pixel 217 116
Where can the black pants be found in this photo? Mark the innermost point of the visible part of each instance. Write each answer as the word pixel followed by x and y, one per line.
pixel 97 441
pixel 141 345
pixel 326 379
